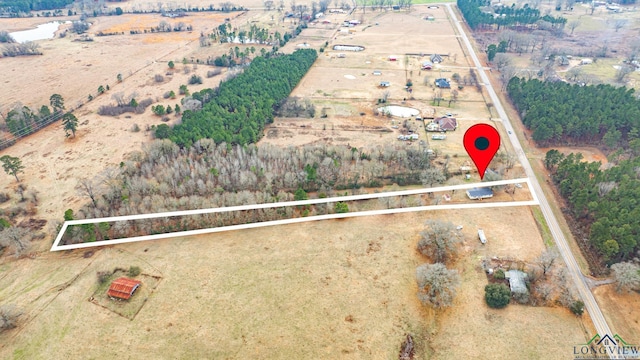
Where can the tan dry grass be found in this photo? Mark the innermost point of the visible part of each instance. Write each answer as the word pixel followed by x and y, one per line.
pixel 621 312
pixel 334 289
pixel 340 289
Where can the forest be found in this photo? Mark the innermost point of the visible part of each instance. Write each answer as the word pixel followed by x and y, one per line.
pixel 560 113
pixel 24 6
pixel 605 202
pixel 237 111
pixel 164 177
pixel 504 16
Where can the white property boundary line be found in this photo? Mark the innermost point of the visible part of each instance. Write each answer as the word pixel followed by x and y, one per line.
pixel 57 247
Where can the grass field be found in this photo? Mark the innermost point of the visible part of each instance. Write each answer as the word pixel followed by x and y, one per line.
pixel 334 289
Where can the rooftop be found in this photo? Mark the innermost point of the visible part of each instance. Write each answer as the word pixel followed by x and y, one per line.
pixel 123 288
pixel 516 281
pixel 480 193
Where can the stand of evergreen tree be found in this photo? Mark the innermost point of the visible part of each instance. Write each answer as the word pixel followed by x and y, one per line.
pixel 504 16
pixel 24 6
pixel 605 202
pixel 238 110
pixel 561 113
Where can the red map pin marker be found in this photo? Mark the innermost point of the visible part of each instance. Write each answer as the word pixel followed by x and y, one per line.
pixel 482 142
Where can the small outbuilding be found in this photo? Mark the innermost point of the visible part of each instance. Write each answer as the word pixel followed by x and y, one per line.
pixel 384 84
pixel 123 288
pixel 480 193
pixel 436 59
pixel 393 58
pixel 516 281
pixel 427 65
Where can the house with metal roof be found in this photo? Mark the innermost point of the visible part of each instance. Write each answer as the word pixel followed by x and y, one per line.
pixel 443 83
pixel 436 59
pixel 517 281
pixel 480 193
pixel 427 65
pixel 446 123
pixel 123 288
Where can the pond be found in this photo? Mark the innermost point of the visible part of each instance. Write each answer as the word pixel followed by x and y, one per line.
pixel 43 31
pixel 400 111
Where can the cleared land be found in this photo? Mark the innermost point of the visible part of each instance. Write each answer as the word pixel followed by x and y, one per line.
pixel 328 289
pixel 338 289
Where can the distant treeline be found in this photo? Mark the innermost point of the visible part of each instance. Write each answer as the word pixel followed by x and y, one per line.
pixel 504 16
pixel 237 111
pixel 24 6
pixel 560 113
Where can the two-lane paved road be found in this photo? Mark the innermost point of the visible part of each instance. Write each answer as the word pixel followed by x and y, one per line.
pixel 563 247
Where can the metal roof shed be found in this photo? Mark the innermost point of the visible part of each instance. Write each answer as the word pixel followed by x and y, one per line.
pixel 123 288
pixel 516 281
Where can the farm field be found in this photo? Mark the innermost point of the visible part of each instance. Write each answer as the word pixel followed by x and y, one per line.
pixel 334 289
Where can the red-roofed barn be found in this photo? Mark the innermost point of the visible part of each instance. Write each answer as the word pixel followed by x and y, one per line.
pixel 123 288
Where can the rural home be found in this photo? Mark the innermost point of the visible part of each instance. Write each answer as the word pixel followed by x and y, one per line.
pixel 384 84
pixel 586 61
pixel 123 288
pixel 427 65
pixel 443 83
pixel 377 72
pixel 438 137
pixel 436 59
pixel 480 193
pixel 516 281
pixel 446 123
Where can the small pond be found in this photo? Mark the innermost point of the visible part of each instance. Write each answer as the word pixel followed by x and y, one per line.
pixel 43 31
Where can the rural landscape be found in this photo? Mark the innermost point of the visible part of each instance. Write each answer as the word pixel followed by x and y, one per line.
pixel 299 173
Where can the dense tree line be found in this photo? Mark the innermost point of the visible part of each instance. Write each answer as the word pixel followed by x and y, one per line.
pixel 237 111
pixel 558 112
pixel 24 6
pixel 504 16
pixel 165 177
pixel 606 202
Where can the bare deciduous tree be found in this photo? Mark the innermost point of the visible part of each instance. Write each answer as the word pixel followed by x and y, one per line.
pixel 620 23
pixel 501 61
pixel 437 285
pixel 439 240
pixel 432 176
pixel 9 315
pixel 89 188
pixel 627 276
pixel 573 24
pixel 17 238
pixel 546 260
pixel 623 72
